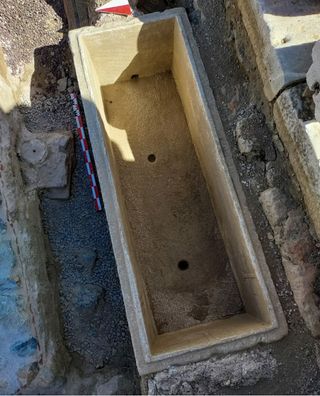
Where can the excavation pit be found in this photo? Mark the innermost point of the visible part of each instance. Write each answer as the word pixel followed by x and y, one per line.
pixel 192 272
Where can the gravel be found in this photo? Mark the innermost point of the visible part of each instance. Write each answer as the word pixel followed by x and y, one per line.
pixel 95 324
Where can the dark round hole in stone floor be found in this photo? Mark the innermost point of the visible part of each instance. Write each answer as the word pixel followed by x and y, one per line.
pixel 183 265
pixel 151 158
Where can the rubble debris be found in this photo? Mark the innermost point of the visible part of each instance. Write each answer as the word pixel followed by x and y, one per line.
pixel 275 205
pixel 275 173
pixel 208 377
pixel 253 136
pixel 298 250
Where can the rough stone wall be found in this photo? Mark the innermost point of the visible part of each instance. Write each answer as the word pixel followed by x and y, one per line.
pixel 298 250
pixel 21 211
pixel 32 270
pixel 298 247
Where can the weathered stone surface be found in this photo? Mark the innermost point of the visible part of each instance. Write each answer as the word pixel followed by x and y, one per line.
pixel 313 78
pixel 297 241
pixel 300 138
pixel 275 206
pixel 275 173
pixel 298 251
pixel 207 377
pixel 282 34
pixel 253 136
pixel 46 160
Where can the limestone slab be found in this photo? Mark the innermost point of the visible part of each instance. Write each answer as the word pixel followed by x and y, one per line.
pixel 175 207
pixel 282 34
pixel 46 161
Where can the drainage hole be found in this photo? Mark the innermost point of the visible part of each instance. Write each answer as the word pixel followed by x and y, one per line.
pixel 135 77
pixel 34 151
pixel 183 265
pixel 151 158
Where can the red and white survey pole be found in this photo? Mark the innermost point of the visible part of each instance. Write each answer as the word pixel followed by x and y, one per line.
pixel 121 7
pixel 86 153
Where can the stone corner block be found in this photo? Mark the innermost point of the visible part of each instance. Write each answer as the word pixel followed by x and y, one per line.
pixel 301 140
pixel 46 161
pixel 282 35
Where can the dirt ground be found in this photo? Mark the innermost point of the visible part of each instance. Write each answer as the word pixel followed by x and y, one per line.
pixel 95 327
